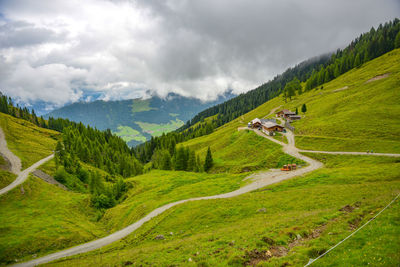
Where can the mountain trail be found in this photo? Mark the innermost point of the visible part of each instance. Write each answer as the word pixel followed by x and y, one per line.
pixel 15 162
pixel 260 180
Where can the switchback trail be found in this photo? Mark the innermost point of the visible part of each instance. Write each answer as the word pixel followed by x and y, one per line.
pixel 15 162
pixel 23 175
pixel 260 180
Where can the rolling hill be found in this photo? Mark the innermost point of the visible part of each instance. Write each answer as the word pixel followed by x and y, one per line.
pixel 136 120
pixel 286 223
pixel 290 222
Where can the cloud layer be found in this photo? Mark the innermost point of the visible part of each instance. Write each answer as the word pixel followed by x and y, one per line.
pixel 55 51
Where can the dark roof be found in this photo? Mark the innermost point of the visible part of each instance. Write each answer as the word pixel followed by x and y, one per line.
pixel 287 112
pixel 267 120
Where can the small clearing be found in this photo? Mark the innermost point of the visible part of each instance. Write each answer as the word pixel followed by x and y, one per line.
pixel 383 76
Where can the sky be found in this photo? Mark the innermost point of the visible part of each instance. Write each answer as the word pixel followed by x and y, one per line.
pixel 58 52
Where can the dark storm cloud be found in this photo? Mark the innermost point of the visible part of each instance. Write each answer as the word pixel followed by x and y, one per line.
pixel 195 48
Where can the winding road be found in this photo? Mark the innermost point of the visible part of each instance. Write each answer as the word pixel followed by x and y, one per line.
pixel 259 180
pixel 15 163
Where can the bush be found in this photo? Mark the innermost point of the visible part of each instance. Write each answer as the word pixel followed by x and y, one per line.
pixel 102 201
pixel 61 175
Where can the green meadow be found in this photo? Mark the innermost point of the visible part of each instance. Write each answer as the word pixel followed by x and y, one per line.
pixel 283 224
pixel 37 218
pixel 29 142
pixel 129 134
pixel 156 129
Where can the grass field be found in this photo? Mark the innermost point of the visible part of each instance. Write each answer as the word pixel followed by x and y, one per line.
pixel 158 129
pixel 154 189
pixel 6 178
pixel 29 142
pixel 129 134
pixel 240 151
pixel 294 220
pixel 41 218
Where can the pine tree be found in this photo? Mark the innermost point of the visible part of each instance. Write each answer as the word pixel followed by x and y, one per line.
pixel 297 111
pixel 180 159
pixel 191 166
pixel 166 161
pixel 304 108
pixel 208 163
pixel 357 61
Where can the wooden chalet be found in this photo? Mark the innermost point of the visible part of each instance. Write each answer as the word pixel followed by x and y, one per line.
pixel 285 113
pixel 271 127
pixel 256 123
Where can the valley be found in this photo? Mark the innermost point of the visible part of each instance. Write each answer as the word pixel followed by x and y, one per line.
pixel 218 191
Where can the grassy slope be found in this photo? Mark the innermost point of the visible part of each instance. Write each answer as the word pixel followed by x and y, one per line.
pixel 44 218
pixel 41 217
pixel 158 187
pixel 221 232
pixel 239 151
pixel 227 144
pixel 29 142
pixel 6 178
pixel 363 117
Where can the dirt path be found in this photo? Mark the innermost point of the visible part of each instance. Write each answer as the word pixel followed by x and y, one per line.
pixel 271 112
pixel 15 162
pixel 351 153
pixel 260 180
pixel 23 175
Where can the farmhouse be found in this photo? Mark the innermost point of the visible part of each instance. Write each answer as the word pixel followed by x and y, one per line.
pixel 271 127
pixel 285 113
pixel 256 123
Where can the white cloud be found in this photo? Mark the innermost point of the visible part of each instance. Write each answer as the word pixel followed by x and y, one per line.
pixel 54 50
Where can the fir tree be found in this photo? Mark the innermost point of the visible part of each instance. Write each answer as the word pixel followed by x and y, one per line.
pixel 304 108
pixel 208 163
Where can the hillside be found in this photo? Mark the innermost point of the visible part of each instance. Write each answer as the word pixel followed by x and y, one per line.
pixel 286 223
pixel 346 115
pixel 138 119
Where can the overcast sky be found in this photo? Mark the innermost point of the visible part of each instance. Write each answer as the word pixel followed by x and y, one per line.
pixel 59 51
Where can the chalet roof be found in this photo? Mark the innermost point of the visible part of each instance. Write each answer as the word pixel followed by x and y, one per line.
pixel 256 120
pixel 294 116
pixel 287 112
pixel 267 120
pixel 270 124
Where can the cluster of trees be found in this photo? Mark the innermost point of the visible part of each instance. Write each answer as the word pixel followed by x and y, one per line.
pixel 7 106
pixel 101 149
pixel 98 148
pixel 180 159
pixel 291 88
pixel 103 195
pixel 364 48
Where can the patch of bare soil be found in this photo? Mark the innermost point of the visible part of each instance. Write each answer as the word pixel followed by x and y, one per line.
pixel 378 77
pixel 341 89
pixel 47 178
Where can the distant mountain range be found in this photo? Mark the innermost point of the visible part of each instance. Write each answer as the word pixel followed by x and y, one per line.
pixel 136 120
